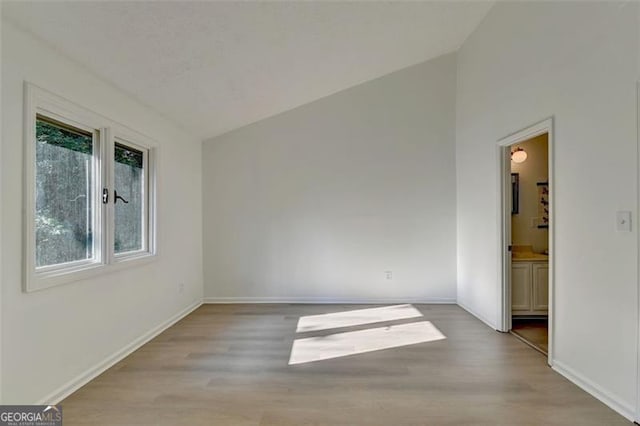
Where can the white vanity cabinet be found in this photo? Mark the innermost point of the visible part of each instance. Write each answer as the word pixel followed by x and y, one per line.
pixel 529 288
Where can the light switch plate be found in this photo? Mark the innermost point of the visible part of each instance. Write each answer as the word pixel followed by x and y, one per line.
pixel 623 221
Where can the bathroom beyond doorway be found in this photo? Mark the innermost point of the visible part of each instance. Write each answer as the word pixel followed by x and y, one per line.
pixel 530 203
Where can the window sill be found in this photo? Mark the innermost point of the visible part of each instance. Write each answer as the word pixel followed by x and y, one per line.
pixel 41 281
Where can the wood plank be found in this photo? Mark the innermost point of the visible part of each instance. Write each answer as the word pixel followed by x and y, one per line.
pixel 228 365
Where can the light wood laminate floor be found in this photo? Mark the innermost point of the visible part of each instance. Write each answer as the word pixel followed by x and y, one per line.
pixel 228 365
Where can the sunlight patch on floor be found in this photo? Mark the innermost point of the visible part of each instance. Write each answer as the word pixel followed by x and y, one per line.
pixel 356 317
pixel 356 342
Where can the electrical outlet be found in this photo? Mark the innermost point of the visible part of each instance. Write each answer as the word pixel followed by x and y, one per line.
pixel 181 288
pixel 388 275
pixel 623 221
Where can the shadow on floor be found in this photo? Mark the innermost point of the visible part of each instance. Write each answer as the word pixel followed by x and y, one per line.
pixel 534 332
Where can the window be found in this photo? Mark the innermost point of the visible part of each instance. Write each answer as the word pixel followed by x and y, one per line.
pixel 64 194
pixel 90 193
pixel 129 201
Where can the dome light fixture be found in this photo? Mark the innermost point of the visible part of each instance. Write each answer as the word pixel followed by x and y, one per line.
pixel 519 155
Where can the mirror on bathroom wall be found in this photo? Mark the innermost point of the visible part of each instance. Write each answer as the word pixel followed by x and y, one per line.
pixel 515 193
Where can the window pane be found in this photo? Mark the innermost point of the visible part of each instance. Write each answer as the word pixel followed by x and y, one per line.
pixel 64 194
pixel 129 204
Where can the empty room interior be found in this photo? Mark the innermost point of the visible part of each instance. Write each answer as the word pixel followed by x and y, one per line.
pixel 327 213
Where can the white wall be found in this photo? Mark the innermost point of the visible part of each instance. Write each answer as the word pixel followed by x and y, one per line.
pixel 1 138
pixel 316 203
pixel 51 337
pixel 577 62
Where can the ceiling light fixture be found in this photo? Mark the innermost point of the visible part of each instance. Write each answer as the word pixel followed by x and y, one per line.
pixel 518 155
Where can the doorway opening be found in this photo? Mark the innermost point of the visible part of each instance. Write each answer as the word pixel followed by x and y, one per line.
pixel 527 235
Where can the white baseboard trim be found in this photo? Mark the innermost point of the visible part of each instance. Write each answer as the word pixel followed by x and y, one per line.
pixel 327 300
pixel 475 314
pixel 76 383
pixel 595 390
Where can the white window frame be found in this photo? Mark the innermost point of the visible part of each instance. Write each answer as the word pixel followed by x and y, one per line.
pixel 39 102
pixel 125 138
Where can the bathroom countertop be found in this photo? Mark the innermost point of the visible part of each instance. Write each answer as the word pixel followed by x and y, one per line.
pixel 525 253
pixel 529 257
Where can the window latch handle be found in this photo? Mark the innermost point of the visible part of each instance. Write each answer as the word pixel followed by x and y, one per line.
pixel 105 195
pixel 117 197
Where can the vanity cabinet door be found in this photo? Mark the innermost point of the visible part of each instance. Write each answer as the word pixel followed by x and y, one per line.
pixel 521 286
pixel 540 286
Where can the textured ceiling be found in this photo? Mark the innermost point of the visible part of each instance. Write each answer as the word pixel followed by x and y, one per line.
pixel 216 66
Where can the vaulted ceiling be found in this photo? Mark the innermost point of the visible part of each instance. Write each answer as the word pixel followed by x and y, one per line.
pixel 217 66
